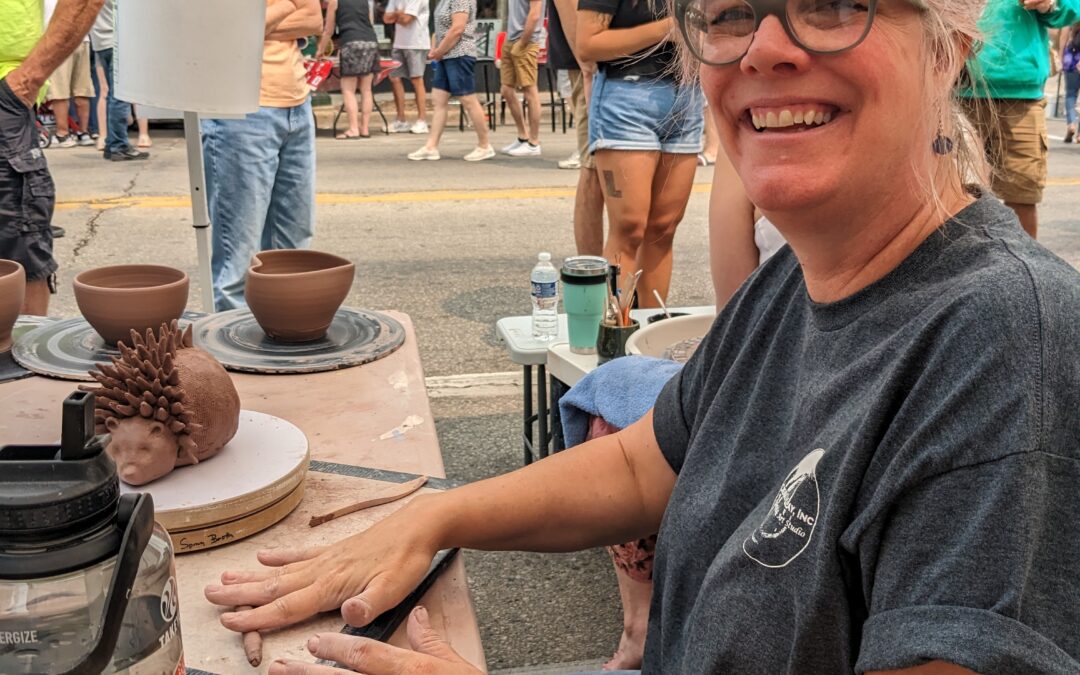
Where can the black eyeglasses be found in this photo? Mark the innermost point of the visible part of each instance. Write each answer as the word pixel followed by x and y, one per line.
pixel 719 32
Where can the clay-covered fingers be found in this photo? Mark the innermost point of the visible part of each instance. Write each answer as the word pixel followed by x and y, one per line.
pixel 298 668
pixel 280 612
pixel 256 592
pixel 377 658
pixel 276 557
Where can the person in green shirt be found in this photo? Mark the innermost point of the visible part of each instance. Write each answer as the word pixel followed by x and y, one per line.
pixel 28 54
pixel 1004 97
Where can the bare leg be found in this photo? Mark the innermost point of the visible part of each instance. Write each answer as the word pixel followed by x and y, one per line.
pixel 509 95
pixel 82 108
pixel 441 100
pixel 365 103
pixel 36 300
pixel 636 596
pixel 348 93
pixel 60 112
pixel 102 108
pixel 1028 215
pixel 670 192
pixel 399 98
pixel 532 95
pixel 626 178
pixel 589 214
pixel 144 131
pixel 421 98
pixel 472 106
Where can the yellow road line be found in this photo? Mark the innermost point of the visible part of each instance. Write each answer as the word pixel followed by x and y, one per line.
pixel 333 198
pixel 176 202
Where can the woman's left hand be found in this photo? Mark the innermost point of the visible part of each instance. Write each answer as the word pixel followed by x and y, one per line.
pixel 430 654
pixel 434 55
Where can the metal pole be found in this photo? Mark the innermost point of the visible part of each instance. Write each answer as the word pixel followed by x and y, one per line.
pixel 200 211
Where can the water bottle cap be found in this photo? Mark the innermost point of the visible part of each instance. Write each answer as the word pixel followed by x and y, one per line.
pixel 545 257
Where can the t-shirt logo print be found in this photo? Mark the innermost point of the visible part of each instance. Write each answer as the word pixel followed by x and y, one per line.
pixel 786 530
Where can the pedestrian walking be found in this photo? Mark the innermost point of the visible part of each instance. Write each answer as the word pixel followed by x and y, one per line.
pixel 28 54
pixel 1070 66
pixel 359 58
pixel 103 40
pixel 71 84
pixel 645 130
pixel 453 73
pixel 518 73
pixel 260 170
pixel 412 42
pixel 1004 97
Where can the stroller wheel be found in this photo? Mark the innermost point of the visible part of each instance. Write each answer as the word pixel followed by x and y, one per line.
pixel 44 138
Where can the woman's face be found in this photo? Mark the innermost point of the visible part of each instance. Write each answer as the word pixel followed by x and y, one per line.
pixel 861 112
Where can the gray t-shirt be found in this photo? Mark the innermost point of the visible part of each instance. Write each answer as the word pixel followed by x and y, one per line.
pixel 516 13
pixel 881 481
pixel 101 33
pixel 444 13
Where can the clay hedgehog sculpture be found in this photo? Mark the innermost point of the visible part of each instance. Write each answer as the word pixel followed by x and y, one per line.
pixel 165 402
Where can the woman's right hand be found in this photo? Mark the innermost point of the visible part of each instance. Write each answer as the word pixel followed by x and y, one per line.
pixel 364 575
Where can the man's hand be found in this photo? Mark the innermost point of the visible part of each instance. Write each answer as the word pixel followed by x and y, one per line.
pixel 434 54
pixel 431 654
pixel 1040 6
pixel 24 86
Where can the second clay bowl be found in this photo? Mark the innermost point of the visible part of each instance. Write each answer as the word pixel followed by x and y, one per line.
pixel 294 294
pixel 12 292
pixel 120 298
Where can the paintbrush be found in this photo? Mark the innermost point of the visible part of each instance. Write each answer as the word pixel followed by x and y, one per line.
pixel 627 299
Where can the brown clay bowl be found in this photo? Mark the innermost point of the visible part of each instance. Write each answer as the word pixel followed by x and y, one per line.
pixel 120 298
pixel 294 294
pixel 12 293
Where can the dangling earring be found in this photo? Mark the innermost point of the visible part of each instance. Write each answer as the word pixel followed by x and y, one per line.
pixel 943 145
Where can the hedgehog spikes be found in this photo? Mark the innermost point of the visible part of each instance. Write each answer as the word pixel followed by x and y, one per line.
pixel 142 382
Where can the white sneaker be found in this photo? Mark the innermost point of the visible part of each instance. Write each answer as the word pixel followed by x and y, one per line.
pixel 85 140
pixel 511 146
pixel 423 153
pixel 400 127
pixel 571 162
pixel 525 150
pixel 419 127
pixel 480 154
pixel 65 142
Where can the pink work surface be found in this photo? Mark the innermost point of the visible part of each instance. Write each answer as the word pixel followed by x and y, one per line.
pixel 376 416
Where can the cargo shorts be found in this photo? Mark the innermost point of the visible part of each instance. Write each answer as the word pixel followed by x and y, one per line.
pixel 27 192
pixel 1017 148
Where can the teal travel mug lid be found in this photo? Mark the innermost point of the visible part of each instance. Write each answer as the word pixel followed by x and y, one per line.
pixel 585 270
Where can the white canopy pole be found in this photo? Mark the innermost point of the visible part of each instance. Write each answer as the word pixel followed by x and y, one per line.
pixel 200 212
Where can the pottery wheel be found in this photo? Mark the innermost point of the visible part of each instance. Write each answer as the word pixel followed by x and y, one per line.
pixel 264 464
pixel 68 349
pixel 10 370
pixel 355 337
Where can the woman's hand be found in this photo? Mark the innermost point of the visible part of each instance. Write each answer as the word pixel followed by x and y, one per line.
pixel 431 654
pixel 434 54
pixel 364 575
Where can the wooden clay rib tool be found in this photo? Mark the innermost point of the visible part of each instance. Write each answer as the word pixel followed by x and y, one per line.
pixel 385 496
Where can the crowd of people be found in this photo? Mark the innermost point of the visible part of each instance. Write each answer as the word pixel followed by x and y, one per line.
pixel 893 346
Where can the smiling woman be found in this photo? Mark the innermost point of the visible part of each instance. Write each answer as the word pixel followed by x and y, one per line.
pixel 869 463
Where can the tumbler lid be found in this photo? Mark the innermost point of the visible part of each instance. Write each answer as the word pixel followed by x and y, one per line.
pixel 585 266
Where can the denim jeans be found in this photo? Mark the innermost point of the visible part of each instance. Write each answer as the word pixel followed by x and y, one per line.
pixel 1072 86
pixel 117 110
pixel 260 184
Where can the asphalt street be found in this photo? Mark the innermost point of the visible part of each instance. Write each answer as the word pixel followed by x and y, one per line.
pixel 451 243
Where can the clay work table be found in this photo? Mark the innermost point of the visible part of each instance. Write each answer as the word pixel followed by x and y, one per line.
pixel 370 422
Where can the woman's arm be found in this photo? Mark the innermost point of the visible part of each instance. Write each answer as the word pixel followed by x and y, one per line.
pixel 597 41
pixel 609 490
pixel 458 22
pixel 328 29
pixel 733 255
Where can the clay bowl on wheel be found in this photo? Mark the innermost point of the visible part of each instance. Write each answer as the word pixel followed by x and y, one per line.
pixel 120 298
pixel 12 292
pixel 294 294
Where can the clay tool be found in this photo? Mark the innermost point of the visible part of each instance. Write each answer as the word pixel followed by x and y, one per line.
pixel 656 294
pixel 385 496
pixel 252 642
pixel 627 299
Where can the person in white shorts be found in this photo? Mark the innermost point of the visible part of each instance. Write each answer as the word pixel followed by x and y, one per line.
pixel 411 44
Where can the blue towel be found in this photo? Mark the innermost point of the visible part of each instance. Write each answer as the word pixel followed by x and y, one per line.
pixel 620 392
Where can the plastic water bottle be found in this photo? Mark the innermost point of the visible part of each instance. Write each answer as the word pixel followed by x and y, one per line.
pixel 545 299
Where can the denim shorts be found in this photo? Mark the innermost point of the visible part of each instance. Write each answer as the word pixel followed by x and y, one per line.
pixel 456 75
pixel 645 114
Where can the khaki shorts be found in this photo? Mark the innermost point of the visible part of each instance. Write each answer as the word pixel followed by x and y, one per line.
pixel 581 119
pixel 518 70
pixel 72 78
pixel 1014 131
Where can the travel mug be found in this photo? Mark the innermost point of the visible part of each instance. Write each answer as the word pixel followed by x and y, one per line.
pixel 611 341
pixel 585 291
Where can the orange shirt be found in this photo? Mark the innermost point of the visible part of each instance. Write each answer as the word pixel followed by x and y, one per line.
pixel 283 79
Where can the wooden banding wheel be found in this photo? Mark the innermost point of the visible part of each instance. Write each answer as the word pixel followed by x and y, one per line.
pixel 255 481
